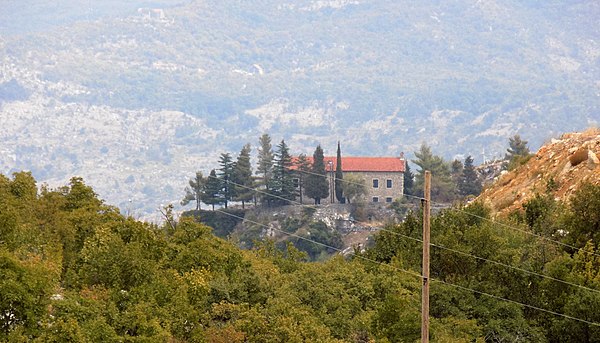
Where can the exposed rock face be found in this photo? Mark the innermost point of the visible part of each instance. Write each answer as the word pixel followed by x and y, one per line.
pixel 557 167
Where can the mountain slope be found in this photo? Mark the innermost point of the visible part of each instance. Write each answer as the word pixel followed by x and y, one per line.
pixel 560 167
pixel 382 77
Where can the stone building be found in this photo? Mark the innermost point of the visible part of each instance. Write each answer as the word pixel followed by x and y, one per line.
pixel 384 176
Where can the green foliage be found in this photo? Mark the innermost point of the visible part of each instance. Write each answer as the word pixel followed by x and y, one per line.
pixel 195 191
pixel 74 269
pixel 281 186
pixel 355 187
pixel 442 187
pixel 517 152
pixel 317 186
pixel 242 176
pixel 339 176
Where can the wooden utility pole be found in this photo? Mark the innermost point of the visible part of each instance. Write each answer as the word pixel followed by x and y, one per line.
pixel 426 236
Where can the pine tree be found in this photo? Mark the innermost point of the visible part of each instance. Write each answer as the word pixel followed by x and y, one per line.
pixel 339 176
pixel 212 190
pixel 409 180
pixel 517 152
pixel 469 183
pixel 442 188
pixel 265 162
pixel 242 176
pixel 195 190
pixel 317 186
pixel 302 171
pixel 282 185
pixel 225 175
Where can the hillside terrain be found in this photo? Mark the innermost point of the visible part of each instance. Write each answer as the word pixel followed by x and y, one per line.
pixel 134 96
pixel 559 168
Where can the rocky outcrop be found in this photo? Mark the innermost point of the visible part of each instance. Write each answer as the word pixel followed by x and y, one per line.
pixel 559 166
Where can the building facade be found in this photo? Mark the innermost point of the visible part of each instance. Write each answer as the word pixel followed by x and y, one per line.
pixel 384 177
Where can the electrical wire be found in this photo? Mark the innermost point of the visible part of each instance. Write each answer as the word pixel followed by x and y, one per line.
pixel 417 274
pixel 526 232
pixel 436 245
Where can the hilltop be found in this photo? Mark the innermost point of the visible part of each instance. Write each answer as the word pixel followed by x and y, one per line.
pixel 560 167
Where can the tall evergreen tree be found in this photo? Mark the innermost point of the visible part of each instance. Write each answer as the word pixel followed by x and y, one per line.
pixel 409 180
pixel 226 175
pixel 517 152
pixel 302 171
pixel 282 184
pixel 212 190
pixel 339 176
pixel 265 161
pixel 442 187
pixel 469 182
pixel 317 186
pixel 242 176
pixel 195 190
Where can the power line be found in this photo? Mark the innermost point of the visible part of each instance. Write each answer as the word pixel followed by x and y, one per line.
pixel 516 302
pixel 526 232
pixel 436 245
pixel 515 268
pixel 319 243
pixel 416 274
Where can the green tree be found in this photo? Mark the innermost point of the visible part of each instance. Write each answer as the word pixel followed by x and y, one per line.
pixel 442 187
pixel 354 187
pixel 265 160
pixel 317 186
pixel 303 169
pixel 469 183
pixel 339 176
pixel 282 184
pixel 194 191
pixel 409 180
pixel 212 192
pixel 517 152
pixel 242 176
pixel 225 176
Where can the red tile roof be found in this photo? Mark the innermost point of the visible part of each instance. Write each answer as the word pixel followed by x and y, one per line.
pixel 366 164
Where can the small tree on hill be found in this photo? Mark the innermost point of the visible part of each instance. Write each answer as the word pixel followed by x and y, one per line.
pixel 469 183
pixel 195 190
pixel 442 187
pixel 226 175
pixel 212 190
pixel 317 186
pixel 517 152
pixel 265 161
pixel 409 180
pixel 303 169
pixel 282 185
pixel 242 176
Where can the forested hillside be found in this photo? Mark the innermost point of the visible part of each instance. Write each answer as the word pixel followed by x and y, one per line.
pixel 74 269
pixel 132 94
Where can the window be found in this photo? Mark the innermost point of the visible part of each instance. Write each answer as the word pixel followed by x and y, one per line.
pixel 388 183
pixel 375 183
pixel 296 182
pixel 388 199
pixel 375 199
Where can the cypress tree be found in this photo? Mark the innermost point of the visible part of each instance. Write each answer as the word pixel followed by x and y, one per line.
pixel 317 186
pixel 339 176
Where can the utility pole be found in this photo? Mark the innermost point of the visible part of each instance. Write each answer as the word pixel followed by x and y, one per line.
pixel 426 237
